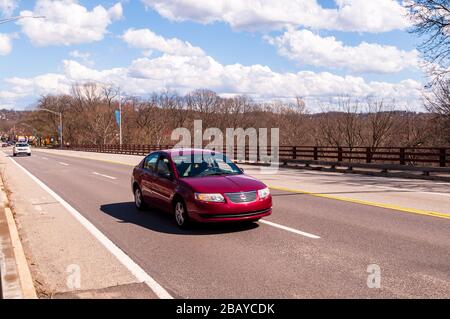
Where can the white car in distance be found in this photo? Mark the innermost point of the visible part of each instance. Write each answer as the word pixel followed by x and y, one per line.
pixel 21 148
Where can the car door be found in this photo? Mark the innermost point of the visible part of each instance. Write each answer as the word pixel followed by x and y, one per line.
pixel 164 183
pixel 148 176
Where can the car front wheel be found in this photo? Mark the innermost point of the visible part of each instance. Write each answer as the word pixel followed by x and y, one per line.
pixel 181 216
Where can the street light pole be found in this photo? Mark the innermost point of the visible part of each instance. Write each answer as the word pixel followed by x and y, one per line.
pixel 20 18
pixel 60 124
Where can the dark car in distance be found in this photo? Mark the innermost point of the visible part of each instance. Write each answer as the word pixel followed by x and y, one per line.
pixel 199 186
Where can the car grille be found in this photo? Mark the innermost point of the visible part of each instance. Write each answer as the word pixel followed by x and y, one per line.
pixel 244 197
pixel 241 215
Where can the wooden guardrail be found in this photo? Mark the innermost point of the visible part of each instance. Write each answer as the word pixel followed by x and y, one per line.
pixel 401 157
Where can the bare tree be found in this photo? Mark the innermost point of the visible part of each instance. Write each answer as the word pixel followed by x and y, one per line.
pixel 413 130
pixel 380 121
pixel 431 20
pixel 343 126
pixel 203 104
pixel 438 102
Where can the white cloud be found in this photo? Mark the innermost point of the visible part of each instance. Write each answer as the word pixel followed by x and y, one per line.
pixel 5 44
pixel 186 73
pixel 84 57
pixel 80 55
pixel 147 40
pixel 305 47
pixel 349 15
pixel 7 7
pixel 25 91
pixel 67 22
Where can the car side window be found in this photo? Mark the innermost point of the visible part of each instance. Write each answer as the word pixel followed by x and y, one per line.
pixel 163 168
pixel 150 162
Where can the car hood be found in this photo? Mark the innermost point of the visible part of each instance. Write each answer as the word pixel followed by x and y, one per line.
pixel 224 184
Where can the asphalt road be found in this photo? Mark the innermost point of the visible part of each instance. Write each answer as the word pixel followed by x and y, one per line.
pixel 261 260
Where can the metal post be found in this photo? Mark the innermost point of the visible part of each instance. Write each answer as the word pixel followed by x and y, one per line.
pixel 61 128
pixel 442 157
pixel 120 119
pixel 340 155
pixel 402 156
pixel 368 155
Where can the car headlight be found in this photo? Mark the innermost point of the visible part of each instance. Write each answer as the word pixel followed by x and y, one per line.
pixel 264 193
pixel 213 198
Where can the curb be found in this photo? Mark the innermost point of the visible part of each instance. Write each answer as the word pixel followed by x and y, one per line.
pixel 23 271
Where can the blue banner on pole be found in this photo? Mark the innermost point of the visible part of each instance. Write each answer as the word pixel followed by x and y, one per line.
pixel 118 117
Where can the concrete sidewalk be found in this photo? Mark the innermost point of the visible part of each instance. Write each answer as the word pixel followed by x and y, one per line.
pixel 65 260
pixel 10 287
pixel 408 195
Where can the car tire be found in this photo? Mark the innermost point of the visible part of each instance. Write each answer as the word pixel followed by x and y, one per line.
pixel 181 214
pixel 14 154
pixel 29 154
pixel 139 199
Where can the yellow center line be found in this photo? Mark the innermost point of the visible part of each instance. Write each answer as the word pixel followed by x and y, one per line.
pixel 367 203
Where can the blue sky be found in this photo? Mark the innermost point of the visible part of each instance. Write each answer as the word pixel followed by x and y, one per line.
pixel 241 50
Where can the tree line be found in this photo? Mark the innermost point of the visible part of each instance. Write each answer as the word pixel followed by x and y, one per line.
pixel 89 118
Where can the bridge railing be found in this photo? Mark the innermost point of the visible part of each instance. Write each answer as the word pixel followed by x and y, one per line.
pixel 398 156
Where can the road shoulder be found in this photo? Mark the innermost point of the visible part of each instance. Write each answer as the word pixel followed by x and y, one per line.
pixel 64 258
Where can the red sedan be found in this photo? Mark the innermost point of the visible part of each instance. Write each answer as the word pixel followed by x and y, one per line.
pixel 199 185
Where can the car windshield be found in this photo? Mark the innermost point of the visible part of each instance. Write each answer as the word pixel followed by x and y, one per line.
pixel 21 145
pixel 203 165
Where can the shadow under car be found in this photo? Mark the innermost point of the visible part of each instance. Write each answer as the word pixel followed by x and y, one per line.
pixel 163 222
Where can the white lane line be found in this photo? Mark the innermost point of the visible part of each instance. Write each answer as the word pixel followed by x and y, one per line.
pixel 129 263
pixel 64 164
pixel 103 175
pixel 292 230
pixel 45 158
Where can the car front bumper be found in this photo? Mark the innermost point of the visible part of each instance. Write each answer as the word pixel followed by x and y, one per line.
pixel 229 212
